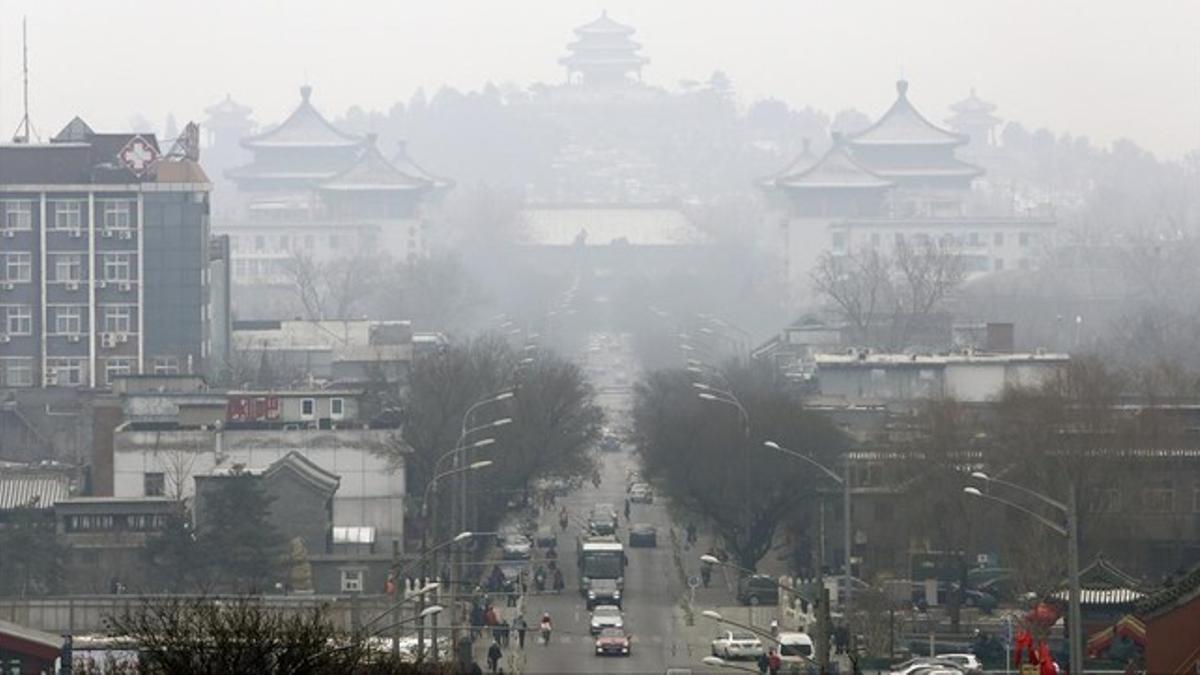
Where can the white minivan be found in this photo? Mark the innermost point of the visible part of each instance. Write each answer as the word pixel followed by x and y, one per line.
pixel 795 648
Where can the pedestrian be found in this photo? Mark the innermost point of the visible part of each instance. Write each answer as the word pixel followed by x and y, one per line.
pixel 627 508
pixel 521 627
pixel 512 598
pixel 494 655
pixel 691 533
pixel 763 663
pixel 504 630
pixel 774 662
pixel 558 581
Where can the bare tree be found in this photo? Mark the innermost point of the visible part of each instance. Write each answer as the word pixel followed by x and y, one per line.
pixel 859 286
pixel 337 288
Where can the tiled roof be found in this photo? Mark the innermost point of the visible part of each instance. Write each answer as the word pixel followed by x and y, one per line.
pixel 1173 593
pixel 1103 583
pixel 306 469
pixel 605 25
pixel 374 172
pixel 25 487
pixel 837 169
pixel 406 165
pixel 1096 597
pixel 305 127
pixel 903 125
pixel 973 105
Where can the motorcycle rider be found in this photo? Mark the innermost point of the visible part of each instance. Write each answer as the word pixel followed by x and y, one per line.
pixel 547 627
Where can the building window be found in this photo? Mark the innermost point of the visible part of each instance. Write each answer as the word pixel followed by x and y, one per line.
pixel 309 242
pixel 117 214
pixel 68 214
pixel 16 371
pixel 260 243
pixel 352 581
pixel 998 239
pixel 68 320
pixel 68 267
pixel 118 267
pixel 839 241
pixel 333 241
pixel 18 319
pixel 154 484
pixel 973 239
pixel 17 214
pixel 18 268
pixel 998 264
pixel 1024 239
pixel 64 372
pixel 283 243
pixel 165 365
pixel 118 319
pixel 337 408
pixel 115 367
pixel 308 408
pixel 1158 498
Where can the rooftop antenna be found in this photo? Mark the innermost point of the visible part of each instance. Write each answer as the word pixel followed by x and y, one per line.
pixel 24 128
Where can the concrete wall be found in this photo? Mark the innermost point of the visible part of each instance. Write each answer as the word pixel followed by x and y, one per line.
pixel 372 486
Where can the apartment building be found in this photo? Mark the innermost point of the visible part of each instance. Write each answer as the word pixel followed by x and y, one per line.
pixel 104 251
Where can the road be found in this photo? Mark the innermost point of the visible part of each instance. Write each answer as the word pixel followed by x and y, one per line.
pixel 653 587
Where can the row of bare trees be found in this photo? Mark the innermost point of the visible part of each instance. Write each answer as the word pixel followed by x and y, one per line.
pixel 887 298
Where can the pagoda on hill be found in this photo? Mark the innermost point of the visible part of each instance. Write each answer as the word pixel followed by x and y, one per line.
pixel 906 148
pixel 603 54
pixel 834 185
pixel 973 117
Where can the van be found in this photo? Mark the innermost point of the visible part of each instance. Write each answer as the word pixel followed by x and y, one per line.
pixel 795 647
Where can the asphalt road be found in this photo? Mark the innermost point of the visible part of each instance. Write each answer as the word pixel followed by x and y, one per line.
pixel 652 586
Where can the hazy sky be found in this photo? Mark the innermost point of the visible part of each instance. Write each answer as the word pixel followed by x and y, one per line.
pixel 1102 68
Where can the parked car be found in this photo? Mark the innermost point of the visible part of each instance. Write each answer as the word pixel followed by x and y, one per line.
pixel 606 616
pixel 736 644
pixel 612 641
pixel 603 592
pixel 517 547
pixel 641 493
pixel 795 647
pixel 758 589
pixel 967 662
pixel 922 666
pixel 546 537
pixel 643 535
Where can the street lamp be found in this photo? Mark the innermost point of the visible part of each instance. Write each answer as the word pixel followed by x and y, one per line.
pixel 844 481
pixel 1069 530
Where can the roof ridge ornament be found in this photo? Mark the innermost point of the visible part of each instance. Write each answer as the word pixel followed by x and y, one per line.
pixel 902 87
pixel 305 92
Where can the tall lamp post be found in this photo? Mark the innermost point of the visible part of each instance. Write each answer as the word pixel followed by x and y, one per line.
pixel 847 530
pixel 1068 528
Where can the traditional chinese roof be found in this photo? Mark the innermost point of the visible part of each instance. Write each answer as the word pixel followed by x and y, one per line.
pixel 973 105
pixel 1102 583
pixel 406 165
pixel 31 487
pixel 228 108
pixel 948 166
pixel 837 169
pixel 305 127
pixel 604 25
pixel 301 466
pixel 1174 593
pixel 902 124
pixel 373 172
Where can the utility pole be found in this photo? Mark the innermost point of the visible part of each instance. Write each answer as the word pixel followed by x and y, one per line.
pixel 822 600
pixel 25 129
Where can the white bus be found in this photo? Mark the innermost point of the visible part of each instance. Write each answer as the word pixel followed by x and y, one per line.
pixel 601 558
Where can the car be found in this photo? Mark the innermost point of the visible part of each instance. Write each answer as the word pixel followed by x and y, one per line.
pixel 967 662
pixel 508 531
pixel 546 537
pixel 612 641
pixel 643 535
pixel 795 647
pixel 603 520
pixel 923 665
pixel 641 493
pixel 606 616
pixel 736 644
pixel 517 547
pixel 757 589
pixel 603 592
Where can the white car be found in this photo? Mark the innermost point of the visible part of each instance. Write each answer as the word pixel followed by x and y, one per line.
pixel 517 547
pixel 606 616
pixel 734 644
pixel 927 666
pixel 967 662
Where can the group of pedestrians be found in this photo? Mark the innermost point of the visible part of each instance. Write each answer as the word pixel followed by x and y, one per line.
pixel 769 662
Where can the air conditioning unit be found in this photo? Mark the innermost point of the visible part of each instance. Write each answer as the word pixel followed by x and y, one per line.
pixel 4 338
pixel 102 284
pixel 72 285
pixel 10 233
pixel 122 337
pixel 108 340
pixel 9 286
pixel 76 234
pixel 126 286
pixel 126 234
pixel 107 234
pixel 72 338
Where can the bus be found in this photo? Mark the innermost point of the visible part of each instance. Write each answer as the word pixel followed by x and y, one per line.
pixel 601 558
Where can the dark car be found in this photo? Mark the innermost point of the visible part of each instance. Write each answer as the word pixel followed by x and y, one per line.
pixel 603 592
pixel 758 589
pixel 603 520
pixel 546 537
pixel 642 535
